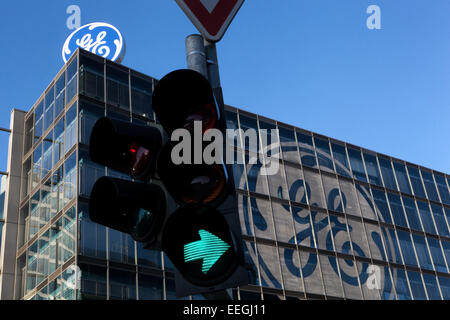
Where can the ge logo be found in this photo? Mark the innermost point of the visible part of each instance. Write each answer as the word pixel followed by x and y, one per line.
pixel 74 280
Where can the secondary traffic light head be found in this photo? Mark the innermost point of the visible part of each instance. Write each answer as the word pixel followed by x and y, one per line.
pixel 135 208
pixel 126 147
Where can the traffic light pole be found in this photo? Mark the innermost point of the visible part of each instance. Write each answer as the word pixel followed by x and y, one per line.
pixel 213 71
pixel 201 56
pixel 196 55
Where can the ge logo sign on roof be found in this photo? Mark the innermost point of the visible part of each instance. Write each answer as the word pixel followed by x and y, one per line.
pixel 99 38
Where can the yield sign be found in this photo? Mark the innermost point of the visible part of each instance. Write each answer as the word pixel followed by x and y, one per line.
pixel 211 17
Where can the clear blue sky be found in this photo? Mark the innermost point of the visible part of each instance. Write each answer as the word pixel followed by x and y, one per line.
pixel 310 63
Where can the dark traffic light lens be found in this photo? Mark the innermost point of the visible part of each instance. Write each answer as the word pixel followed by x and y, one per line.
pixel 203 184
pixel 207 115
pixel 130 207
pixel 142 223
pixel 182 97
pixel 192 183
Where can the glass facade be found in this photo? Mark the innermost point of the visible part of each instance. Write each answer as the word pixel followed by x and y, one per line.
pixel 335 221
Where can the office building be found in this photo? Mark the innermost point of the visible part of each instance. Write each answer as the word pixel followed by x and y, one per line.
pixel 335 222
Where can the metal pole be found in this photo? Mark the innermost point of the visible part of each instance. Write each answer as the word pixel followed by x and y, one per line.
pixel 213 71
pixel 195 54
pixel 201 56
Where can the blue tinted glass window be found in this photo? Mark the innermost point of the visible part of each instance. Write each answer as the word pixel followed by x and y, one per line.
pixel 402 177
pixel 372 169
pixel 416 182
pixel 412 214
pixel 49 104
pixel 442 187
pixel 71 89
pixel 232 124
pixel 71 132
pixel 439 218
pixel 60 94
pixel 323 154
pixel 306 149
pixel 72 68
pixel 446 247
pixel 425 215
pixel 122 285
pixel 431 286
pixel 407 248
pixel 447 214
pixel 58 144
pixel 357 164
pixel 445 287
pixel 340 159
pixel 250 131
pixel 269 137
pixel 47 154
pixel 380 201
pixel 288 145
pixel 422 252
pixel 417 288
pixel 117 88
pixel 150 287
pixel 402 287
pixel 388 175
pixel 436 254
pixel 38 120
pixel 429 185
pixel 141 96
pixel 397 211
pixel 394 251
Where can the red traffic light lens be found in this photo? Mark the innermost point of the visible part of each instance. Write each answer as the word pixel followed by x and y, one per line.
pixel 140 158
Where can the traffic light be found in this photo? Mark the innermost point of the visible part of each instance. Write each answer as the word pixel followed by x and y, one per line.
pixel 136 208
pixel 202 237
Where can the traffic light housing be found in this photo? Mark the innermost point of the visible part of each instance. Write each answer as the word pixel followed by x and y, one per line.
pixel 202 235
pixel 136 208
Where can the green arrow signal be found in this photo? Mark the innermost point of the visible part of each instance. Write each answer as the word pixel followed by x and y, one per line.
pixel 209 248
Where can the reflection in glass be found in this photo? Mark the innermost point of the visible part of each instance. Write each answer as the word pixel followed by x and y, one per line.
pixel 415 280
pixel 340 160
pixel 442 187
pixel 402 177
pixel 416 182
pixel 431 286
pixel 429 185
pixel 357 164
pixel 372 169
pixel 388 175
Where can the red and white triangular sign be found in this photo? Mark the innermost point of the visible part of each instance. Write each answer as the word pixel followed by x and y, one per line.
pixel 211 17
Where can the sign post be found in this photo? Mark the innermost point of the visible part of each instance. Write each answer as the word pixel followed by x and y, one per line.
pixel 211 17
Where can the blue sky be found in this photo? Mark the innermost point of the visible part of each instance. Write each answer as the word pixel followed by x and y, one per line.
pixel 312 64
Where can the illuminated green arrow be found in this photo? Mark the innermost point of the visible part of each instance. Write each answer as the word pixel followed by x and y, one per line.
pixel 209 248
